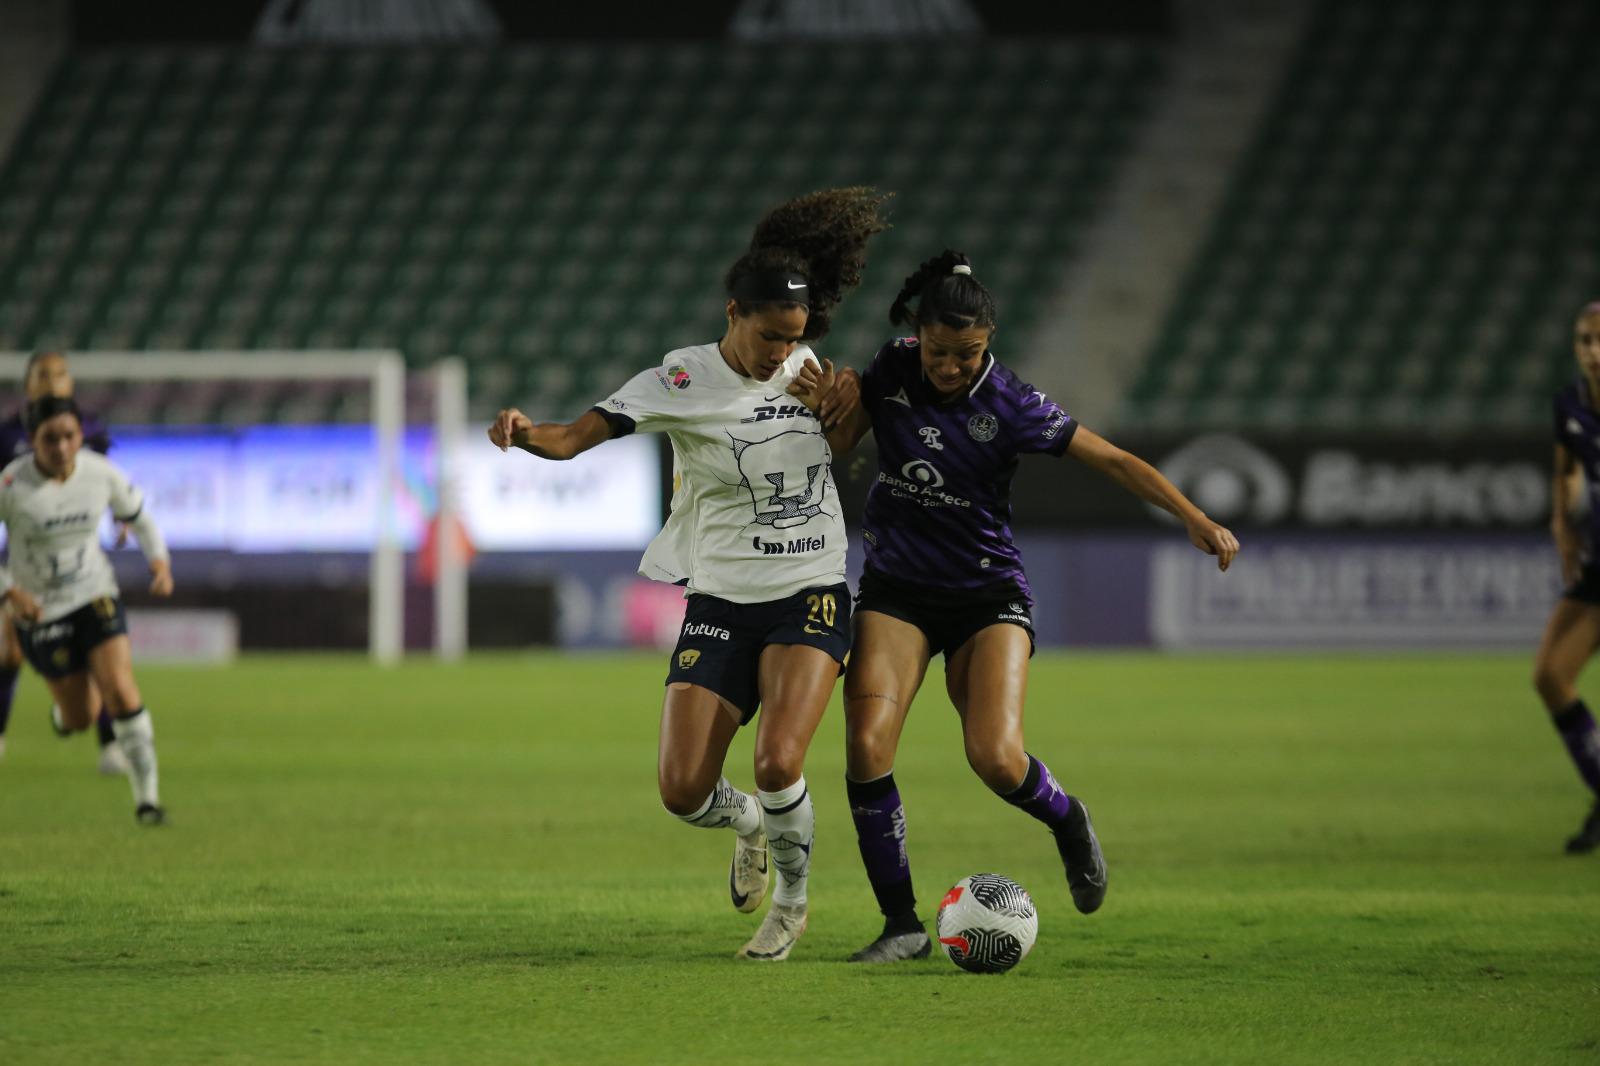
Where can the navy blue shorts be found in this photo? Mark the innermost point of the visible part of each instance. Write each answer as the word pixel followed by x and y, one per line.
pixel 720 645
pixel 947 619
pixel 1587 588
pixel 59 648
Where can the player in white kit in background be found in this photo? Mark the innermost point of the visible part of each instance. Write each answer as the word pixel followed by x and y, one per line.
pixel 60 589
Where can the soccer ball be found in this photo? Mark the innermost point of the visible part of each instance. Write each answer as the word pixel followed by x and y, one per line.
pixel 987 923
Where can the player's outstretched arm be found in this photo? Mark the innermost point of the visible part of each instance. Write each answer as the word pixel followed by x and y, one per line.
pixel 1150 485
pixel 549 440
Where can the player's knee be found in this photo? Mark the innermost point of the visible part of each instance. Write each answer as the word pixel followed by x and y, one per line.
pixel 1553 686
pixel 778 766
pixel 868 756
pixel 996 763
pixel 122 698
pixel 681 794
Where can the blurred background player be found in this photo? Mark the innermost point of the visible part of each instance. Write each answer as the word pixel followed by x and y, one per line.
pixel 757 536
pixel 60 588
pixel 47 374
pixel 943 574
pixel 1573 632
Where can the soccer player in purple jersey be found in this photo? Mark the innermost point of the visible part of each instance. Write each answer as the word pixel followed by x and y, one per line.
pixel 943 574
pixel 1573 632
pixel 47 374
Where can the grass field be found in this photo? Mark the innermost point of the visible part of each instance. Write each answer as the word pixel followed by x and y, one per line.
pixel 1312 860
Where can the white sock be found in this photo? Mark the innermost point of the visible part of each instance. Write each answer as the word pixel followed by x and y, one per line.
pixel 137 739
pixel 727 807
pixel 791 825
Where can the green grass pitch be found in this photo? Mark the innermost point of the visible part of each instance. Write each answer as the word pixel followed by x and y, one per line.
pixel 1313 860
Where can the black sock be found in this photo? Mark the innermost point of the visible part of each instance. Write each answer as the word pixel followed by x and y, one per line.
pixel 8 689
pixel 1577 729
pixel 103 729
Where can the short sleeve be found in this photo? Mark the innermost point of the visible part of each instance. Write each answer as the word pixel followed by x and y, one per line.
pixel 877 381
pixel 1040 425
pixel 127 501
pixel 649 402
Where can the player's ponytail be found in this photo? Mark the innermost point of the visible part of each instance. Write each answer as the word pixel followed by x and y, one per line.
pixel 808 252
pixel 946 292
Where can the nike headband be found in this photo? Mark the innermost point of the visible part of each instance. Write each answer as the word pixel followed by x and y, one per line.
pixel 772 286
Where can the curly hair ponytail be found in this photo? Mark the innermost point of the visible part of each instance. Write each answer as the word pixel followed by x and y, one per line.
pixel 821 236
pixel 946 292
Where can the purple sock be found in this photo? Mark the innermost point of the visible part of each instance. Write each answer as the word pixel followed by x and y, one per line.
pixel 103 728
pixel 8 689
pixel 1576 726
pixel 881 834
pixel 1040 796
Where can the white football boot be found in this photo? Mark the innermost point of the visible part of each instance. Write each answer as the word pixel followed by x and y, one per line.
pixel 748 874
pixel 778 932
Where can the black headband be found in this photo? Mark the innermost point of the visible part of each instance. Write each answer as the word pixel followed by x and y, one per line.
pixel 772 286
pixel 45 408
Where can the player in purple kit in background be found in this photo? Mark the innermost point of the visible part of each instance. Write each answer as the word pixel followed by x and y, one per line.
pixel 1573 632
pixel 47 374
pixel 943 574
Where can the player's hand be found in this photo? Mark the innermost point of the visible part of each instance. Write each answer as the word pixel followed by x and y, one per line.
pixel 122 535
pixel 1214 540
pixel 161 578
pixel 812 383
pixel 23 606
pixel 842 399
pixel 511 428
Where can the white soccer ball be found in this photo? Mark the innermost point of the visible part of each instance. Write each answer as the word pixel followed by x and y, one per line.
pixel 987 923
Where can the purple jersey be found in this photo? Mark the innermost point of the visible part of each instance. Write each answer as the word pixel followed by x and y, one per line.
pixel 14 439
pixel 1577 426
pixel 939 513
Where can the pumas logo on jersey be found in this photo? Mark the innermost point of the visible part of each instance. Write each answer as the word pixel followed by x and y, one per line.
pixel 788 410
pixel 687 658
pixel 983 427
pixel 793 547
pixel 787 480
pixel 930 437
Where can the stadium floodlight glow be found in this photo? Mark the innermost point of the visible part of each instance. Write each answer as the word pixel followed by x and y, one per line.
pixel 384 375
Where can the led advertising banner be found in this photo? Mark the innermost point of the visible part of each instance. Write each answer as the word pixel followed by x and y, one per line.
pixel 314 488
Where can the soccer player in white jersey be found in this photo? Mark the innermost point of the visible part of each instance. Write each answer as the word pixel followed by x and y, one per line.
pixel 59 587
pixel 755 534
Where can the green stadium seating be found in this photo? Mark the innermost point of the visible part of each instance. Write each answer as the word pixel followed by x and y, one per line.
pixel 559 216
pixel 1408 240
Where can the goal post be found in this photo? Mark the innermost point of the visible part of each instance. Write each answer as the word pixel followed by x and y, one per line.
pixel 383 375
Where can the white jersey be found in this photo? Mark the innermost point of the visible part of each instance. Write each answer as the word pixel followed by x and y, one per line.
pixel 52 528
pixel 755 515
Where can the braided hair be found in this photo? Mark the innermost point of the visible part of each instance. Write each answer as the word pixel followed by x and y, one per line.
pixel 821 236
pixel 946 292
